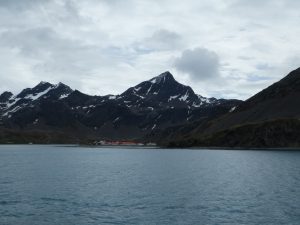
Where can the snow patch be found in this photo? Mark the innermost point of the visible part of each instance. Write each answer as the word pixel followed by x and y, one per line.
pixel 197 105
pixel 139 96
pixel 153 81
pixel 15 100
pixel 64 96
pixel 158 79
pixel 115 120
pixel 173 97
pixel 149 90
pixel 205 100
pixel 137 88
pixel 38 95
pixel 189 118
pixel 157 118
pixel 13 110
pixel 184 98
pixel 112 97
pixel 232 109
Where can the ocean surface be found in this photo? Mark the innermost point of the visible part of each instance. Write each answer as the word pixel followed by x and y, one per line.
pixel 64 185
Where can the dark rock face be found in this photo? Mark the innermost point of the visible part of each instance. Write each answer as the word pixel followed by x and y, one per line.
pixel 286 87
pixel 283 133
pixel 149 106
pixel 5 96
pixel 280 100
pixel 34 92
pixel 254 117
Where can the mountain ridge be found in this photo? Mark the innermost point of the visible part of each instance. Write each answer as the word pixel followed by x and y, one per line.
pixel 278 102
pixel 150 105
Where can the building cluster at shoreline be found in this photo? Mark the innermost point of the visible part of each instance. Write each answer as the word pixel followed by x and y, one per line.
pixel 123 143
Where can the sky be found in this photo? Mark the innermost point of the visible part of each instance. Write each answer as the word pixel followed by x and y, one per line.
pixel 223 49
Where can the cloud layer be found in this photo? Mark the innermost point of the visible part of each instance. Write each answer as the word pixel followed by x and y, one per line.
pixel 229 49
pixel 200 63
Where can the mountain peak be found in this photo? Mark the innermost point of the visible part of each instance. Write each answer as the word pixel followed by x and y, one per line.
pixel 162 78
pixel 5 96
pixel 48 84
pixel 166 74
pixel 43 84
pixel 162 89
pixel 61 85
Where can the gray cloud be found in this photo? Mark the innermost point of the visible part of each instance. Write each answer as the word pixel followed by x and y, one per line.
pixel 19 4
pixel 160 40
pixel 263 66
pixel 91 44
pixel 199 63
pixel 165 40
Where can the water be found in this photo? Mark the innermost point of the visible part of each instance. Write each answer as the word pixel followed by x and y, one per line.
pixel 72 185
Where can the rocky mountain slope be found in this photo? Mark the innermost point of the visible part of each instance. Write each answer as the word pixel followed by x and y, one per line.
pixel 268 119
pixel 56 113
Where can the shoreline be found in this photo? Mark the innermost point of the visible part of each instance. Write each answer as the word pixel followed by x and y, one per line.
pixel 160 147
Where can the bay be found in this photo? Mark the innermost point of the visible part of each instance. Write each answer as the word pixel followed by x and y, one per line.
pixel 47 184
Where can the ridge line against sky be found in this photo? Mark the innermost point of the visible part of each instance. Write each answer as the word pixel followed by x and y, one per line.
pixel 223 49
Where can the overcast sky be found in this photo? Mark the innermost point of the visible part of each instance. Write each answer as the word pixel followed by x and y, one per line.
pixel 229 49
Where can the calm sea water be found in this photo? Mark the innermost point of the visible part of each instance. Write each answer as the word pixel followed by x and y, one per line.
pixel 72 185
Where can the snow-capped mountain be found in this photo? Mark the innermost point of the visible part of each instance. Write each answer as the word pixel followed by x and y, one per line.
pixel 154 104
pixel 10 104
pixel 164 91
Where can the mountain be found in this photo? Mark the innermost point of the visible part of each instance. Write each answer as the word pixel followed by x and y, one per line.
pixel 268 119
pixel 49 113
pixel 164 90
